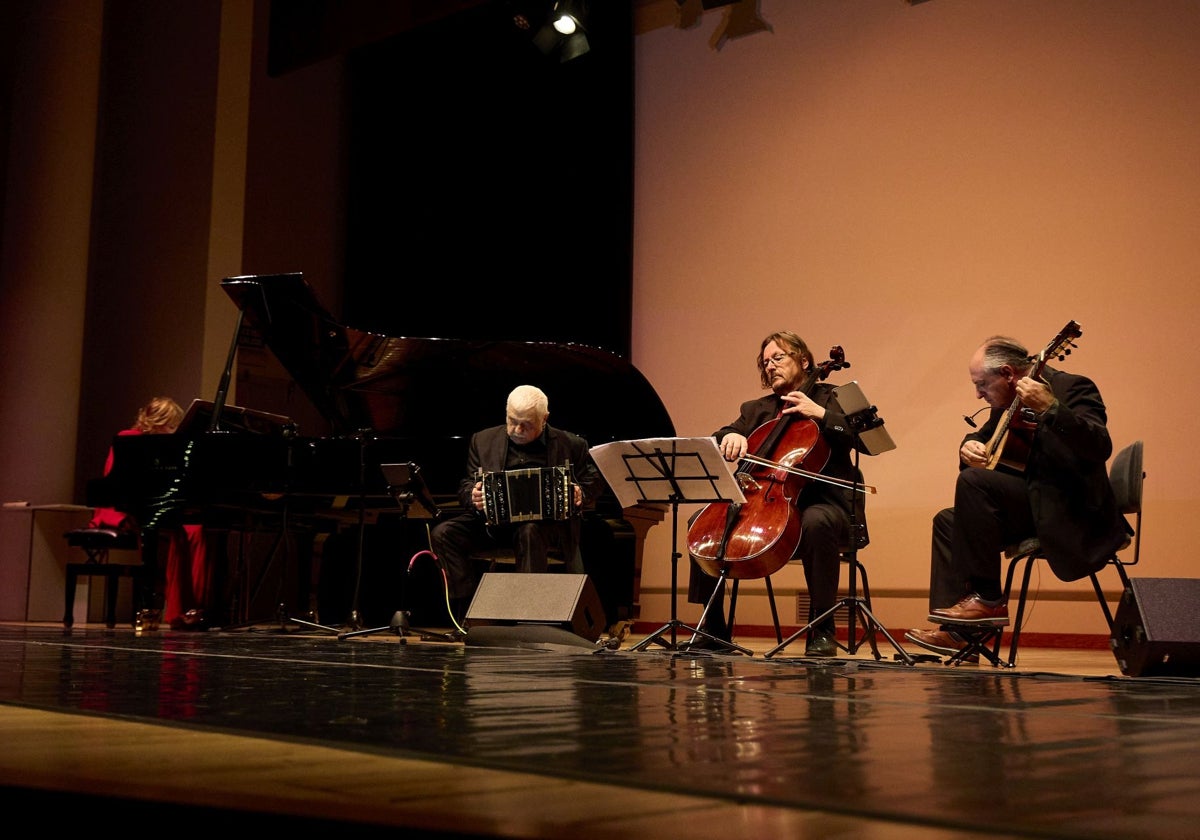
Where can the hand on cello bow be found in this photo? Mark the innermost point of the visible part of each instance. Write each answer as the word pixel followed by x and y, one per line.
pixel 793 449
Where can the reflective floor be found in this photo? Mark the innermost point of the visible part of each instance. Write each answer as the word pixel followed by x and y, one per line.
pixel 517 737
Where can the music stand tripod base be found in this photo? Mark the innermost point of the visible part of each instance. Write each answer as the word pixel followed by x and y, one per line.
pixel 669 471
pixel 718 592
pixel 859 607
pixel 285 620
pixel 400 626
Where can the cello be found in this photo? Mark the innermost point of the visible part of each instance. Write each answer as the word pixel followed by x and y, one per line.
pixel 758 538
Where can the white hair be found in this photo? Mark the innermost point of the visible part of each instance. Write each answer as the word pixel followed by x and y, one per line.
pixel 527 398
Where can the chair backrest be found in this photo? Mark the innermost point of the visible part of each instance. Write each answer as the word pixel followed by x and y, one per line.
pixel 1126 475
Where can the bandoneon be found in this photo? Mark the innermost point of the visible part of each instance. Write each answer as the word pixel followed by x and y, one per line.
pixel 527 495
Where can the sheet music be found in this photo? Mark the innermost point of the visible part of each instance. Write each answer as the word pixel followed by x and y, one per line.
pixel 659 470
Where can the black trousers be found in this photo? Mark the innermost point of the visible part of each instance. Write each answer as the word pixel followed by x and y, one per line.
pixel 456 539
pixel 825 531
pixel 991 511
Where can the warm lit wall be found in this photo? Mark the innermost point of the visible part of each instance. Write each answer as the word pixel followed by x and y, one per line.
pixel 905 180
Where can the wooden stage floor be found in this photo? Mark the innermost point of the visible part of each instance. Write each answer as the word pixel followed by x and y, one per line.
pixel 189 733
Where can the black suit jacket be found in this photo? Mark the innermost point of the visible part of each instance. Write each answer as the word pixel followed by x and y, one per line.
pixel 1074 510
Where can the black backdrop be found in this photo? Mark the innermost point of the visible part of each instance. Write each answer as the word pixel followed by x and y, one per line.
pixel 490 196
pixel 491 184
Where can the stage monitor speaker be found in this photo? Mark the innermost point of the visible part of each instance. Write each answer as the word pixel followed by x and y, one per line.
pixel 567 601
pixel 1156 629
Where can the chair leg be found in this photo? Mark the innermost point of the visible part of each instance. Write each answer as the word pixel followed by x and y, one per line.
pixel 1108 613
pixel 137 594
pixel 733 593
pixel 112 583
pixel 1016 626
pixel 69 613
pixel 774 610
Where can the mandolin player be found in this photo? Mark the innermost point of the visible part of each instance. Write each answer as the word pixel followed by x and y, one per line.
pixel 1035 468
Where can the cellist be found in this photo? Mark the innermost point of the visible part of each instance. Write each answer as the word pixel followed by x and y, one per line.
pixel 785 364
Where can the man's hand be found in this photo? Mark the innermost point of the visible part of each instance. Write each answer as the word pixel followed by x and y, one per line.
pixel 973 454
pixel 733 446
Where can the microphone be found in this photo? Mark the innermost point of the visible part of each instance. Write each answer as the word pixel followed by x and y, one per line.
pixel 970 421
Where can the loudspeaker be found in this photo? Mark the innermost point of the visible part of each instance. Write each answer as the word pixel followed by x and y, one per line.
pixel 569 602
pixel 1156 629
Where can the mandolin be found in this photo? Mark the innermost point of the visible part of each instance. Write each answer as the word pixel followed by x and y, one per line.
pixel 1013 436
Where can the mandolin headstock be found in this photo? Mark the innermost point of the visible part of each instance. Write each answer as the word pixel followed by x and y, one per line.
pixel 1061 346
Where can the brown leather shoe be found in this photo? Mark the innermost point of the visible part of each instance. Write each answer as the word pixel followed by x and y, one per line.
pixel 945 642
pixel 972 610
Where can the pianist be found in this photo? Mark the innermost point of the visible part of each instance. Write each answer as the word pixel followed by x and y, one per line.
pixel 524 442
pixel 188 579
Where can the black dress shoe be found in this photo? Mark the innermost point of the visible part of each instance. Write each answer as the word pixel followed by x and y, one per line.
pixel 821 643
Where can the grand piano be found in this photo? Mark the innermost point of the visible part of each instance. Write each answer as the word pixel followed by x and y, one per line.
pixel 377 400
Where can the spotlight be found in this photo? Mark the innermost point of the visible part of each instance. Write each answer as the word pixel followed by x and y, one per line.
pixel 567 16
pixel 566 30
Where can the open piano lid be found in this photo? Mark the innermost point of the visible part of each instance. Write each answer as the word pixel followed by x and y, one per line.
pixel 412 387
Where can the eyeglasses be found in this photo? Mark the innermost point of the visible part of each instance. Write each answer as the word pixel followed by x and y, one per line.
pixel 776 360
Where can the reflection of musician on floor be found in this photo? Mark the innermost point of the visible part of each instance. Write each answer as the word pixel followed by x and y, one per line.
pixel 525 441
pixel 188 578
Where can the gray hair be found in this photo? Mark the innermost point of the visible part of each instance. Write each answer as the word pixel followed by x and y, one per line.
pixel 1000 350
pixel 526 398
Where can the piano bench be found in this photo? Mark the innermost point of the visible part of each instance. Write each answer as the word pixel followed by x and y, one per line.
pixel 96 543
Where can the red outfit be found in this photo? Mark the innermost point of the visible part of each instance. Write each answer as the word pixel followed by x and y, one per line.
pixel 187 580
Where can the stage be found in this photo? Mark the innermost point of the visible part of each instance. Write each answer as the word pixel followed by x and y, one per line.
pixel 302 729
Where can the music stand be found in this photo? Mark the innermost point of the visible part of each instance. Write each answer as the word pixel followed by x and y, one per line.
pixel 873 439
pixel 669 471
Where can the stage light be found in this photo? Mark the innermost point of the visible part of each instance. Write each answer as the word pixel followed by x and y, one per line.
pixel 568 16
pixel 565 31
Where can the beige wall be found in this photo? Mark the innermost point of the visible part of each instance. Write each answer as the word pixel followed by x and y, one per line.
pixel 903 181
